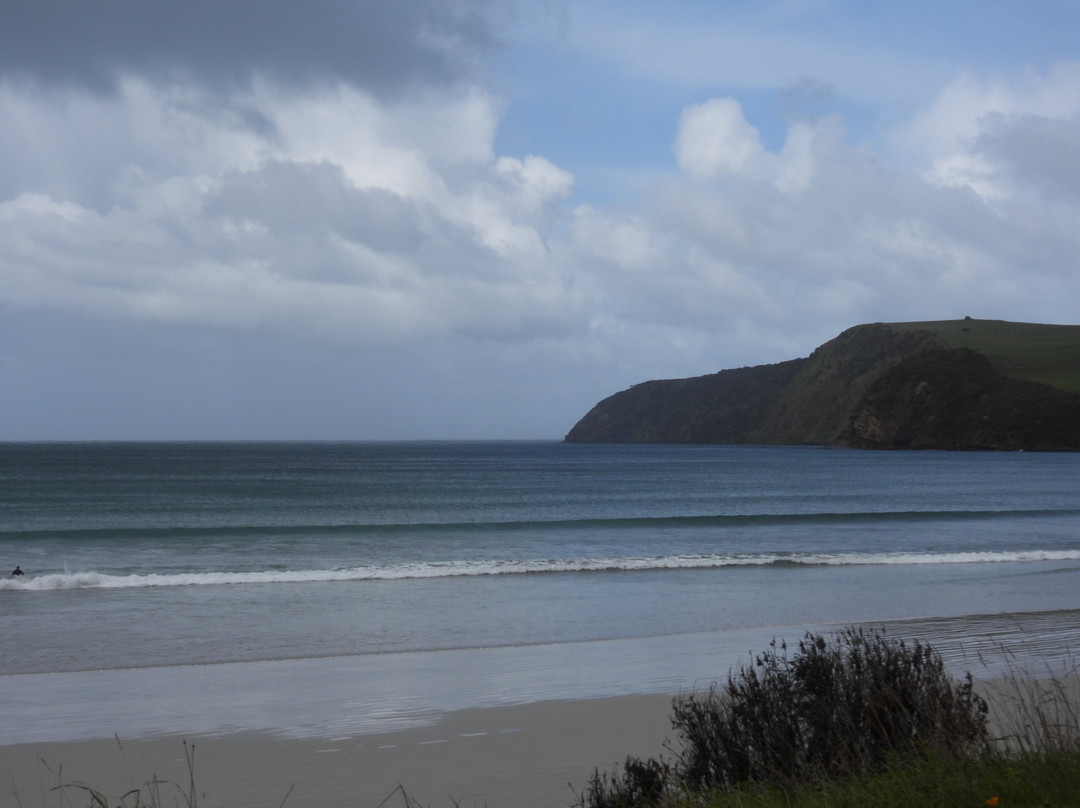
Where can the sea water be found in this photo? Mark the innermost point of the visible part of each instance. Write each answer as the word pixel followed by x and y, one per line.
pixel 408 578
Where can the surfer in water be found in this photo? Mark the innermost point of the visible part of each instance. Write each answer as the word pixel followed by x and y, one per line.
pixel 18 571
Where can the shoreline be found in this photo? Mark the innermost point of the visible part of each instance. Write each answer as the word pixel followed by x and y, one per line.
pixel 480 727
pixel 371 694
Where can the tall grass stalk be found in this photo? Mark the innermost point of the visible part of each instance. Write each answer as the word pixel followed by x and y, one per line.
pixel 153 793
pixel 1036 713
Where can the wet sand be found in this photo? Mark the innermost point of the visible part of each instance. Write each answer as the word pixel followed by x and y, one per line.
pixel 522 756
pixel 525 756
pixel 341 746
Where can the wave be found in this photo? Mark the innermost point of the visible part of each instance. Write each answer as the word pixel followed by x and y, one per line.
pixel 642 522
pixel 452 569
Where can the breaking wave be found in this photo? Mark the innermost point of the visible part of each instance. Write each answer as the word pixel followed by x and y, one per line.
pixel 450 569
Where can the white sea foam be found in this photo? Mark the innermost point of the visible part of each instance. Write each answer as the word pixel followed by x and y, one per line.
pixel 100 580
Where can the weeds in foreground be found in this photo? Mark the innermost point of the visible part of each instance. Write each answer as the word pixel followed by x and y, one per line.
pixel 406 800
pixel 157 793
pixel 154 793
pixel 847 721
pixel 1037 714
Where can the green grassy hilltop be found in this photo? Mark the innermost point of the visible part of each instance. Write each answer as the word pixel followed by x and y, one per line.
pixel 1048 354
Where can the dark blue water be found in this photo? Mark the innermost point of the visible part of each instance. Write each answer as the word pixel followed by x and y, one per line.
pixel 165 554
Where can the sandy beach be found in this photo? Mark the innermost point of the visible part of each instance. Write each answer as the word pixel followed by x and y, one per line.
pixel 529 756
pixel 540 753
pixel 483 624
pixel 521 756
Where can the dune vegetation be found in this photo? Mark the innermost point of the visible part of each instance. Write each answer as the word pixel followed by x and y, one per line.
pixel 856 720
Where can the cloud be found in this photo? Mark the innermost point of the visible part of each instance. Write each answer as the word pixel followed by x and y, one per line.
pixel 339 215
pixel 1036 151
pixel 807 99
pixel 977 130
pixel 756 247
pixel 262 225
pixel 714 138
pixel 379 46
pixel 334 215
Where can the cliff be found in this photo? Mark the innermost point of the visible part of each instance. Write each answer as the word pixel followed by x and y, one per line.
pixel 961 384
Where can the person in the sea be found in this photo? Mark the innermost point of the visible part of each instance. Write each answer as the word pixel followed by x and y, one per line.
pixel 18 570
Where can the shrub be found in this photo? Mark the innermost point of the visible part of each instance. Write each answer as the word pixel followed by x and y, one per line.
pixel 836 707
pixel 639 782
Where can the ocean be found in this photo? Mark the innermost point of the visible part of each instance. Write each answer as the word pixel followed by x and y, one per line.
pixel 311 588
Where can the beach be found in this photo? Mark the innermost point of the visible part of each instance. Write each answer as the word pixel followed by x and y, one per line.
pixel 319 734
pixel 480 623
pixel 524 755
pixel 535 755
pixel 505 726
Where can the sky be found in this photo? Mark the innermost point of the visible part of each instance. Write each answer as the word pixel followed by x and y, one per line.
pixel 474 219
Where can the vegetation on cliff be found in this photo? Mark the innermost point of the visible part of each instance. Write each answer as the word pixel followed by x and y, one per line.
pixel 957 384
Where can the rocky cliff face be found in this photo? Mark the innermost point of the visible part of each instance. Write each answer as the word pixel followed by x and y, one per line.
pixel 954 399
pixel 874 386
pixel 816 405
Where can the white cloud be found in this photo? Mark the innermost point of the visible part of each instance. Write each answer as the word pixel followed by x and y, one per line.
pixel 957 114
pixel 404 146
pixel 539 180
pixel 337 214
pixel 763 249
pixel 85 147
pixel 961 135
pixel 338 222
pixel 715 137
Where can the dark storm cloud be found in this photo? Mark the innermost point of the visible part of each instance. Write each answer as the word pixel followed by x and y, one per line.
pixel 378 44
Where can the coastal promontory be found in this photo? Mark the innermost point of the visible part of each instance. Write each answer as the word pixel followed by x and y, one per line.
pixel 954 384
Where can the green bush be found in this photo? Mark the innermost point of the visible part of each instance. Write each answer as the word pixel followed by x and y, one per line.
pixel 841 706
pixel 637 783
